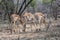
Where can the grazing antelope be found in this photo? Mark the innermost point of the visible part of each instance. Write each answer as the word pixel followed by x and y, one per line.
pixel 40 17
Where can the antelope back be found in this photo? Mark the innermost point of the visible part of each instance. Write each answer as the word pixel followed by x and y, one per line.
pixel 29 16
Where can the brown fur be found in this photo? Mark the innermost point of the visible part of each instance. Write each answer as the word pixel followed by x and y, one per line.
pixel 40 15
pixel 29 15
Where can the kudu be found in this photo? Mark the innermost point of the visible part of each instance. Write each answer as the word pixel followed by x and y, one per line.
pixel 40 17
pixel 30 19
pixel 14 19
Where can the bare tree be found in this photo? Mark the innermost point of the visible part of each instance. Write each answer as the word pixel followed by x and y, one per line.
pixel 17 5
pixel 20 12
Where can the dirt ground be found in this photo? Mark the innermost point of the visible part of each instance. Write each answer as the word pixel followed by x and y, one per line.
pixel 53 33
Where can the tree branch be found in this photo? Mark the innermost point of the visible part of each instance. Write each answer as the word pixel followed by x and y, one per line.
pixel 17 5
pixel 21 6
pixel 25 7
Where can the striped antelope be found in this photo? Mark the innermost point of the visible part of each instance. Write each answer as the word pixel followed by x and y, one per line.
pixel 14 19
pixel 40 17
pixel 30 19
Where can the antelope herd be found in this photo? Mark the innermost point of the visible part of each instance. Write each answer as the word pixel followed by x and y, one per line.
pixel 35 20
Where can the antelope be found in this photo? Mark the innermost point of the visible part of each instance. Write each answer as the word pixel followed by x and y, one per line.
pixel 40 17
pixel 22 21
pixel 30 18
pixel 14 18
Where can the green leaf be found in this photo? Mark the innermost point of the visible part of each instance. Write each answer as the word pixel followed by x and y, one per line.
pixel 46 1
pixel 33 3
